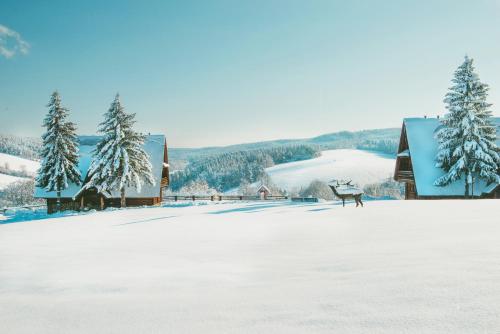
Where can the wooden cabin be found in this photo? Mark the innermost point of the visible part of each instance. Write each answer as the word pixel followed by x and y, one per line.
pixel 154 145
pixel 416 160
pixel 263 192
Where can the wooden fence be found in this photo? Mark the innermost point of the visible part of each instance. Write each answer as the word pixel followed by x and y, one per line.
pixel 25 207
pixel 221 198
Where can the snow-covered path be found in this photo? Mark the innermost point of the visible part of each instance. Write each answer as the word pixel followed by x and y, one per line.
pixel 391 267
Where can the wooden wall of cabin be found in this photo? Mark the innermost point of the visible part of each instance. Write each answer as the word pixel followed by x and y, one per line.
pixel 115 202
pixel 95 203
pixel 410 190
pixel 66 204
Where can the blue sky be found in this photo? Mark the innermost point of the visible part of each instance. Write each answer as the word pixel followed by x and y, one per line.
pixel 221 72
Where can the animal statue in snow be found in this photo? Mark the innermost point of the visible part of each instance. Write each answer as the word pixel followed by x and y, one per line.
pixel 347 191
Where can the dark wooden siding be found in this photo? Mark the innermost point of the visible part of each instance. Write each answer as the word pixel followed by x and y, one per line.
pixel 66 204
pixel 410 190
pixel 90 203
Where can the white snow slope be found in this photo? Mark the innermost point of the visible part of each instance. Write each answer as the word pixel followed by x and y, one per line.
pixel 256 268
pixel 16 164
pixel 362 167
pixel 5 180
pixel 19 164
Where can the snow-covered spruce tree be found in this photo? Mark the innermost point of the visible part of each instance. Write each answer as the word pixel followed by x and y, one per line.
pixel 59 164
pixel 467 135
pixel 119 160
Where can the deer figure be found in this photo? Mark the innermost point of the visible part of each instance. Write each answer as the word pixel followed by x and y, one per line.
pixel 345 191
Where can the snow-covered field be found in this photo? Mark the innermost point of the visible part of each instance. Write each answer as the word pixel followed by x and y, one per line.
pixel 362 167
pixel 18 164
pixel 269 267
pixel 5 180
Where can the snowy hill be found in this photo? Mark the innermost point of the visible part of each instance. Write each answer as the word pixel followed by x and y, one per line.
pixel 271 267
pixel 13 169
pixel 362 167
pixel 18 164
pixel 5 180
pixel 336 140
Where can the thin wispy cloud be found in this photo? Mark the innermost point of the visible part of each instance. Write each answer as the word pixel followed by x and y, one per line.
pixel 11 43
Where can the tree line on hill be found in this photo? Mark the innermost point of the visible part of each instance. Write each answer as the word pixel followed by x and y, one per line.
pixel 387 146
pixel 24 147
pixel 226 171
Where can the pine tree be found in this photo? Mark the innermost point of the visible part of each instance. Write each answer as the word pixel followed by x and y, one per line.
pixel 467 134
pixel 119 160
pixel 59 165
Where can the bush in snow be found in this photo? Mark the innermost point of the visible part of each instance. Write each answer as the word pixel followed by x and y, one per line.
pixel 317 189
pixel 119 160
pixel 59 165
pixel 5 169
pixel 19 193
pixel 198 188
pixel 467 135
pixel 247 189
pixel 388 189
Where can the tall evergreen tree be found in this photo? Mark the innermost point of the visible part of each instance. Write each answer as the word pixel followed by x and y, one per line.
pixel 60 150
pixel 467 134
pixel 119 160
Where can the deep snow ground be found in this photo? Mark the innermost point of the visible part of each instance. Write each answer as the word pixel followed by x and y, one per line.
pixel 391 267
pixel 362 167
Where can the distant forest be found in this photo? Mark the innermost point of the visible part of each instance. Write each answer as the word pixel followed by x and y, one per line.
pixel 24 147
pixel 226 171
pixel 387 146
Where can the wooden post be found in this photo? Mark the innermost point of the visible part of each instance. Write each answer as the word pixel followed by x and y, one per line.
pixel 58 203
pixel 102 202
pixel 175 198
pixel 123 201
pixel 82 203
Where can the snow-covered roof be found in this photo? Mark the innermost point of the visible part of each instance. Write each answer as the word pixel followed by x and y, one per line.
pixel 423 148
pixel 263 188
pixel 154 146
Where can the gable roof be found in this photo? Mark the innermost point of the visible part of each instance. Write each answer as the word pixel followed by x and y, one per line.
pixel 154 147
pixel 263 188
pixel 423 148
